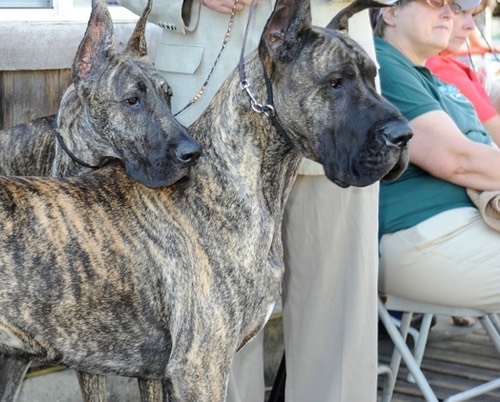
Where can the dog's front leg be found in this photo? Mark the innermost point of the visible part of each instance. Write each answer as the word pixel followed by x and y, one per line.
pixel 203 379
pixel 12 372
pixel 93 386
pixel 150 390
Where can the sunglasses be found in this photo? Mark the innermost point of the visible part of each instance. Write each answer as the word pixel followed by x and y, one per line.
pixel 455 7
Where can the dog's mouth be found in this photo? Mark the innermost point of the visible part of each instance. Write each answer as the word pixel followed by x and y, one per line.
pixel 183 182
pixel 158 178
pixel 185 179
pixel 341 183
pixel 366 172
pixel 343 180
pixel 399 167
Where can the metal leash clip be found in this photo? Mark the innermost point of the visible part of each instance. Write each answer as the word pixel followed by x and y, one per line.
pixel 268 110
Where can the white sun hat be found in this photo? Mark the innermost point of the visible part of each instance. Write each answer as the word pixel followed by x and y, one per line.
pixel 468 4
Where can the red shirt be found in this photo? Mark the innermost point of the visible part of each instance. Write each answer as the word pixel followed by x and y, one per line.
pixel 451 71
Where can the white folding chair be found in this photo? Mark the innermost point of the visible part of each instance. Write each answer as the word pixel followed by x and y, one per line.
pixel 398 335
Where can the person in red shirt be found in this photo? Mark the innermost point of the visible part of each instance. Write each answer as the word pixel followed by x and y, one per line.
pixel 452 71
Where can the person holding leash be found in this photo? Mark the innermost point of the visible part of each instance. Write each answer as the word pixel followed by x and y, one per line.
pixel 330 234
pixel 434 245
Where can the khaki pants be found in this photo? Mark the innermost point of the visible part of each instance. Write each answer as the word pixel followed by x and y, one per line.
pixel 246 378
pixel 452 258
pixel 329 297
pixel 330 292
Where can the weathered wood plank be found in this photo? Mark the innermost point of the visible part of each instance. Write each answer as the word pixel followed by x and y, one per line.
pixel 455 359
pixel 26 95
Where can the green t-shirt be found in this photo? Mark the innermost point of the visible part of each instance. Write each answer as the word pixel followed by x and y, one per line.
pixel 417 195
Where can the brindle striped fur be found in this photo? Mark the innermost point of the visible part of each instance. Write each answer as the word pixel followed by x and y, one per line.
pixel 97 123
pixel 118 107
pixel 28 149
pixel 108 276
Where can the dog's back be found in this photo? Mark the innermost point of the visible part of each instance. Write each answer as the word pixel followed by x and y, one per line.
pixel 28 149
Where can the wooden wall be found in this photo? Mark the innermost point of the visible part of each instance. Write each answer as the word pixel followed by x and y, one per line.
pixel 26 95
pixel 36 58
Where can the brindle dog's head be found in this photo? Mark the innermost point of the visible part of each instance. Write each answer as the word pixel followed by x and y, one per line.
pixel 336 117
pixel 126 103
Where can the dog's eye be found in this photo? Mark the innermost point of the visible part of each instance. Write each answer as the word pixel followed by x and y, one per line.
pixel 336 83
pixel 134 101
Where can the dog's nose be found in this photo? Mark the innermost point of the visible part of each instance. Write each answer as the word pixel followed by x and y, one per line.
pixel 188 151
pixel 397 133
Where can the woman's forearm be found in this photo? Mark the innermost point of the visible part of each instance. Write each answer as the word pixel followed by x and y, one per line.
pixel 225 6
pixel 439 148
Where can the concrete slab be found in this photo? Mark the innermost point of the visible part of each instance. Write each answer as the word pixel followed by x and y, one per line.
pixel 62 386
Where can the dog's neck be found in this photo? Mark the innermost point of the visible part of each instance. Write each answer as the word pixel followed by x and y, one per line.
pixel 238 133
pixel 81 139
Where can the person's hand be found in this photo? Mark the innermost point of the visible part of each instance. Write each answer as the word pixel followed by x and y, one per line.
pixel 225 6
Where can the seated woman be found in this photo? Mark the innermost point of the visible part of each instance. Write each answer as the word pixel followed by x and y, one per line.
pixel 450 70
pixel 434 245
pixel 454 72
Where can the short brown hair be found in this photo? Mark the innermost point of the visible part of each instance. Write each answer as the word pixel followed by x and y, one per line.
pixel 377 22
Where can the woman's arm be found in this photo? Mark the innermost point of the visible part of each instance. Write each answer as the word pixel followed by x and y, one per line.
pixel 178 13
pixel 493 127
pixel 175 14
pixel 441 149
pixel 225 6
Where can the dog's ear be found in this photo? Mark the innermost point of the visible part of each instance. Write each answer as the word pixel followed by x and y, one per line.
pixel 341 20
pixel 96 45
pixel 284 29
pixel 137 43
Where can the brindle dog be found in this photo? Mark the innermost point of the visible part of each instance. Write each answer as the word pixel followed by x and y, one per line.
pixel 118 107
pixel 107 276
